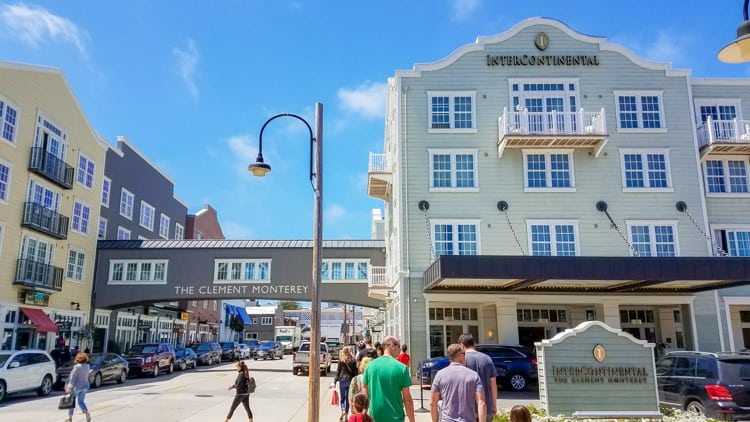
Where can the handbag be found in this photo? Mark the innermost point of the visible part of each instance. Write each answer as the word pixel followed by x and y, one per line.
pixel 335 398
pixel 67 401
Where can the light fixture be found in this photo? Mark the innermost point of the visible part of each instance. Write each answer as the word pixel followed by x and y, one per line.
pixel 738 51
pixel 76 306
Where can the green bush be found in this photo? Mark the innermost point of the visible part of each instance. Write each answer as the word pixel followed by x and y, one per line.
pixel 539 415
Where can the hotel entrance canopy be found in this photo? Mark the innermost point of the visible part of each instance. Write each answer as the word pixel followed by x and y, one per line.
pixel 585 274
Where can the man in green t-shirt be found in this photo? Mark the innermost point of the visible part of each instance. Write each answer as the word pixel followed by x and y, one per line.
pixel 387 382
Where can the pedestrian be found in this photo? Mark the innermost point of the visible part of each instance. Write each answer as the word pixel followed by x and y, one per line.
pixel 241 395
pixel 65 355
pixel 365 351
pixel 74 351
pixel 355 386
pixel 403 357
pixel 378 350
pixel 460 390
pixel 386 381
pixel 346 370
pixel 78 385
pixel 484 367
pixel 360 402
pixel 519 413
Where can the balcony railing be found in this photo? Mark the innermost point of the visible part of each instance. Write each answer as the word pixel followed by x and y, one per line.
pixel 377 163
pixel 379 177
pixel 51 167
pixel 38 275
pixel 45 220
pixel 378 277
pixel 724 131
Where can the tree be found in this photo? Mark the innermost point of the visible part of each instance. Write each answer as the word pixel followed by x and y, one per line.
pixel 236 324
pixel 290 306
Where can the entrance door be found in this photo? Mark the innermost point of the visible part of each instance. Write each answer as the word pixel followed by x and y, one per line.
pixel 527 336
pixel 443 335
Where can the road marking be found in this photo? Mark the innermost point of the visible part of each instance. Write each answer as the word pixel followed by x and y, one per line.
pixel 100 408
pixel 176 388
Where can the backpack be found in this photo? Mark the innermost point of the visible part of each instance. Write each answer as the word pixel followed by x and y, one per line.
pixel 250 383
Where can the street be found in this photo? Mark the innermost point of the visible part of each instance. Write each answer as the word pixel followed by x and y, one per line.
pixel 201 395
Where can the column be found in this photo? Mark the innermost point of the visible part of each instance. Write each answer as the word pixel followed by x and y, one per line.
pixel 507 323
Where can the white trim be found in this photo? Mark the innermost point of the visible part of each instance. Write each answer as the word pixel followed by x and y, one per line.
pixel 698 102
pixel 123 230
pixel 162 226
pixel 138 262
pixel 77 251
pixel 82 155
pixel 180 232
pixel 98 225
pixel 643 152
pixel 9 182
pixel 431 152
pixel 107 180
pixel 652 240
pixel 582 327
pixel 141 215
pixel 454 222
pixel 724 164
pixel 130 195
pixel 639 111
pixel 89 221
pixel 551 223
pixel 344 261
pixel 451 110
pixel 548 170
pixel 254 280
pixel 8 103
pixel 2 236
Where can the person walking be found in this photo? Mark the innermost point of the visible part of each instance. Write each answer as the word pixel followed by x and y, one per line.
pixel 78 385
pixel 241 394
pixel 368 350
pixel 485 368
pixel 346 370
pixel 386 381
pixel 360 402
pixel 460 390
pixel 403 357
pixel 520 413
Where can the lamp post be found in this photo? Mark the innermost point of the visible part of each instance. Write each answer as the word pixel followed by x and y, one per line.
pixel 738 51
pixel 260 168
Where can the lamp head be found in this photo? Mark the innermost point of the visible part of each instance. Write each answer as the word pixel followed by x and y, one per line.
pixel 738 51
pixel 259 168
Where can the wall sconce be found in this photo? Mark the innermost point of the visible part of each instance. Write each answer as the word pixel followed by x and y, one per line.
pixel 76 306
pixel 490 333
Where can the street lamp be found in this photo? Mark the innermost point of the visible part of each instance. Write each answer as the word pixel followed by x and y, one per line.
pixel 738 51
pixel 260 168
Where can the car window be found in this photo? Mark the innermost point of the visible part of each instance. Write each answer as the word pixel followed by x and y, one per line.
pixel 304 347
pixel 706 368
pixel 204 346
pixel 684 367
pixel 36 358
pixel 142 348
pixel 735 369
pixel 664 366
pixel 4 358
pixel 23 359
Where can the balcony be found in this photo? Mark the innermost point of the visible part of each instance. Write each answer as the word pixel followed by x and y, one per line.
pixel 45 220
pixel 724 137
pixel 38 275
pixel 51 167
pixel 377 284
pixel 554 129
pixel 379 178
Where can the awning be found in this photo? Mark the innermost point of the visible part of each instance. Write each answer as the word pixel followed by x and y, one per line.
pixel 243 316
pixel 42 322
pixel 231 309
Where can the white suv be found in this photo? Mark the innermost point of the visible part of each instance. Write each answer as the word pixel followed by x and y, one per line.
pixel 26 370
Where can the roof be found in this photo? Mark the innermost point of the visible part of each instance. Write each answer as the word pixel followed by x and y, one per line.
pixel 237 244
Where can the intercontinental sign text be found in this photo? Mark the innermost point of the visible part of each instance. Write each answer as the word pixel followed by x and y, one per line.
pixel 599 375
pixel 530 60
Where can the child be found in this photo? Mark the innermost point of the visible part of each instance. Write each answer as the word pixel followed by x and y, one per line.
pixel 360 403
pixel 520 413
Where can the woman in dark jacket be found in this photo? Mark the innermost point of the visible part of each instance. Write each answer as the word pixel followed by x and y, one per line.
pixel 347 369
pixel 241 394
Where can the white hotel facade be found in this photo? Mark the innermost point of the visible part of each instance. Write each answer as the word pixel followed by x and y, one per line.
pixel 541 177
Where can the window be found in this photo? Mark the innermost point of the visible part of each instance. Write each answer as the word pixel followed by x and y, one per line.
pixel 645 170
pixel 81 217
pixel 548 171
pixel 85 173
pixel 638 111
pixel 333 269
pixel 130 271
pixel 205 304
pixel 164 226
pixel 726 175
pixel 227 271
pixel 4 181
pixel 126 204
pixel 453 170
pixel 102 232
pixel 455 237
pixel 147 216
pixel 734 240
pixel 216 305
pixel 106 186
pixel 266 320
pixel 8 121
pixel 553 238
pixel 453 111
pixel 179 231
pixel 653 239
pixel 194 303
pixel 76 263
pixel 123 233
pixel 41 195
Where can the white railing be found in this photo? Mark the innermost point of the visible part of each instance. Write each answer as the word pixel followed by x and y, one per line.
pixel 724 131
pixel 377 163
pixel 378 277
pixel 525 122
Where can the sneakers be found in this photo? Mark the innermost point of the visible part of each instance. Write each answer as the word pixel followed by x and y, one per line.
pixel 88 416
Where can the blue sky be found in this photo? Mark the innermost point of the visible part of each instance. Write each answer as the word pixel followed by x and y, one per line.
pixel 190 86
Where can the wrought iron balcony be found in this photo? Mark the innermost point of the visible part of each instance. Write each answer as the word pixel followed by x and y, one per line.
pixel 724 137
pixel 51 167
pixel 379 178
pixel 554 129
pixel 45 220
pixel 38 275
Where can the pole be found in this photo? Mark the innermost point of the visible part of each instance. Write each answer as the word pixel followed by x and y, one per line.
pixel 313 409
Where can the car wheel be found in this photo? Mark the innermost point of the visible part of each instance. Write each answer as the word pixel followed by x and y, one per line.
pixel 517 382
pixel 123 377
pixel 2 391
pixel 171 367
pixel 97 380
pixel 695 407
pixel 183 366
pixel 156 370
pixel 46 386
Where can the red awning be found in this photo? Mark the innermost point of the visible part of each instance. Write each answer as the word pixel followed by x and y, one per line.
pixel 42 322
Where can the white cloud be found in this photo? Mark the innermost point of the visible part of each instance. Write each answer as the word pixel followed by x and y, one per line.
pixel 665 48
pixel 187 63
pixel 235 231
pixel 463 9
pixel 367 99
pixel 35 25
pixel 334 212
pixel 243 151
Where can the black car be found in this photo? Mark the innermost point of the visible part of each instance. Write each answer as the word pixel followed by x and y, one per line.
pixel 252 344
pixel 716 385
pixel 103 367
pixel 230 350
pixel 185 358
pixel 269 349
pixel 208 353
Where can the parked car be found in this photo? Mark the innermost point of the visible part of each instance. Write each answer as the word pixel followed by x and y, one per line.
pixel 230 350
pixel 208 353
pixel 334 349
pixel 252 344
pixel 269 349
pixel 716 385
pixel 244 351
pixel 26 370
pixel 185 358
pixel 516 365
pixel 103 367
pixel 301 359
pixel 150 359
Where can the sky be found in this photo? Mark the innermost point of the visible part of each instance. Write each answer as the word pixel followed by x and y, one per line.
pixel 190 85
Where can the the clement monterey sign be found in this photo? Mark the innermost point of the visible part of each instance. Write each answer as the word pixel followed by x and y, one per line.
pixel 531 60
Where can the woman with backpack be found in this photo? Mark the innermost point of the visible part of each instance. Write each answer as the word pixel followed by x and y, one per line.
pixel 345 371
pixel 242 395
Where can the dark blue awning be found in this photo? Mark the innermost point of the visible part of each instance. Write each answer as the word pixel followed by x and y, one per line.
pixel 243 315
